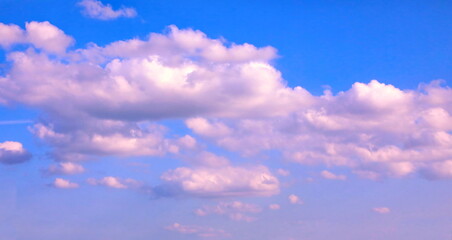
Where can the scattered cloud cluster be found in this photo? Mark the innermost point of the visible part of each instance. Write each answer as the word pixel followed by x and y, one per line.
pixel 13 153
pixel 235 210
pixel 96 9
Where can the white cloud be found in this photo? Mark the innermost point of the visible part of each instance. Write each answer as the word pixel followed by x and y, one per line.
pixel 65 168
pixel 221 182
pixel 294 199
pixel 13 153
pixel 63 183
pixel 114 182
pixel 235 210
pixel 331 176
pixel 98 10
pixel 200 231
pixel 382 210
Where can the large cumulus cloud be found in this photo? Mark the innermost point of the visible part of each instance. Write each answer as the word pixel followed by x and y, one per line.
pixel 229 94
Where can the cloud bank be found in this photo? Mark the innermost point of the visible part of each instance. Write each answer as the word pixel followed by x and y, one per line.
pixel 229 95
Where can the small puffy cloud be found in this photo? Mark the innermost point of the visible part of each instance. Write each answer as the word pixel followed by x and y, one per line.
pixel 98 10
pixel 274 206
pixel 236 210
pixel 63 183
pixel 220 182
pixel 205 232
pixel 48 37
pixel 13 153
pixel 331 176
pixel 382 210
pixel 294 199
pixel 65 168
pixel 114 182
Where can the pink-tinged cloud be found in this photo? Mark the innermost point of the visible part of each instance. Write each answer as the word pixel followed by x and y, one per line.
pixel 236 210
pixel 13 153
pixel 204 232
pixel 331 176
pixel 63 183
pixel 294 199
pixel 10 34
pixel 115 182
pixel 230 95
pixel 98 10
pixel 64 168
pixel 274 206
pixel 382 210
pixel 221 182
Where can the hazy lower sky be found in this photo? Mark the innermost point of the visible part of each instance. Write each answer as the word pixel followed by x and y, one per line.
pixel 241 120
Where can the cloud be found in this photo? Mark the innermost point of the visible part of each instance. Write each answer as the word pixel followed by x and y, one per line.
pixel 294 199
pixel 235 210
pixel 64 168
pixel 230 95
pixel 219 182
pixel 331 176
pixel 62 183
pixel 206 232
pixel 274 206
pixel 13 153
pixel 114 182
pixel 98 10
pixel 41 35
pixel 382 210
pixel 283 172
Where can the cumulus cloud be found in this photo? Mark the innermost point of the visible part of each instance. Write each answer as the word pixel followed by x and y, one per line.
pixel 219 182
pixel 64 168
pixel 235 210
pixel 205 232
pixel 13 153
pixel 115 182
pixel 294 199
pixel 41 35
pixel 63 183
pixel 382 210
pixel 228 94
pixel 331 176
pixel 98 10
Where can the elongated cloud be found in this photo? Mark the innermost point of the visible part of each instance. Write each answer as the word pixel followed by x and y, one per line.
pixel 98 10
pixel 115 182
pixel 13 153
pixel 220 182
pixel 64 168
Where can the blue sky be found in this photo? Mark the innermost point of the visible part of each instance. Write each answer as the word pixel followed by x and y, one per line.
pixel 237 120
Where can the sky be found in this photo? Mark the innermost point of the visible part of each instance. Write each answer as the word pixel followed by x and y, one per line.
pixel 243 120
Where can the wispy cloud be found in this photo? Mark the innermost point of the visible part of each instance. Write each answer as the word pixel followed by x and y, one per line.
pixel 98 10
